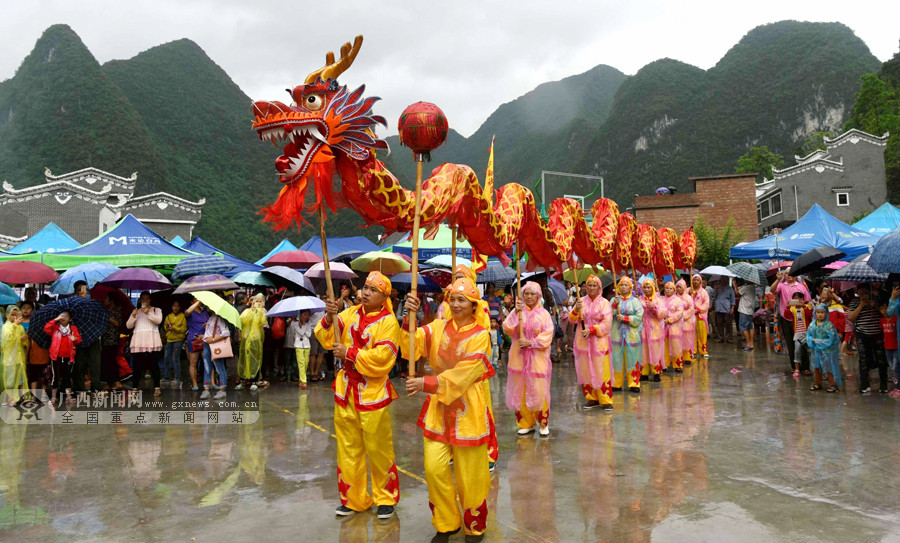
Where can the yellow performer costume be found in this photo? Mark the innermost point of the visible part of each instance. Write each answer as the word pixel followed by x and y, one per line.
pixel 456 418
pixel 483 319
pixel 15 355
pixel 362 393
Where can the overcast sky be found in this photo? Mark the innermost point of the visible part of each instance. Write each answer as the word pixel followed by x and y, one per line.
pixel 466 56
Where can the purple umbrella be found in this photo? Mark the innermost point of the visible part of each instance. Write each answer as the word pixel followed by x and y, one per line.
pixel 338 271
pixel 137 279
pixel 211 281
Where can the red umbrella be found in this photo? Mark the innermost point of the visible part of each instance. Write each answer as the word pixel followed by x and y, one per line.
pixel 21 272
pixel 778 267
pixel 443 278
pixel 298 260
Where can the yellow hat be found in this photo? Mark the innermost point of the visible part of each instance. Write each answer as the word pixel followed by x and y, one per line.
pixel 381 283
pixel 465 287
pixel 465 270
pixel 593 278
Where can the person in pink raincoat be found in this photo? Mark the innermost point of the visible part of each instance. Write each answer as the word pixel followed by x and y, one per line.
pixel 687 331
pixel 529 366
pixel 653 333
pixel 673 331
pixel 701 312
pixel 592 319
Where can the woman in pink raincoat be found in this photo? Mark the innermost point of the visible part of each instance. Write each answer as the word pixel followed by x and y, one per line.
pixel 689 326
pixel 654 339
pixel 701 311
pixel 592 319
pixel 673 331
pixel 529 367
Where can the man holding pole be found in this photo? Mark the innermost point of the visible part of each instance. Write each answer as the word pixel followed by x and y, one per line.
pixel 366 338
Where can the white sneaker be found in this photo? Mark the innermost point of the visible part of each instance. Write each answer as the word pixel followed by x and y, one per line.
pixel 205 394
pixel 220 394
pixel 253 387
pixel 544 431
pixel 524 431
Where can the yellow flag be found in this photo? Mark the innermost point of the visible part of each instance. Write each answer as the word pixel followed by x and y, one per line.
pixel 489 177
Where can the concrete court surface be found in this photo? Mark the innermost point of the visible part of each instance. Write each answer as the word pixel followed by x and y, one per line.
pixel 709 455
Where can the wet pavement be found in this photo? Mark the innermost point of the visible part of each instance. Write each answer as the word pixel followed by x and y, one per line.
pixel 709 455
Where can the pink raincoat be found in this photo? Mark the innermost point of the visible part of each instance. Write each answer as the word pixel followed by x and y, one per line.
pixel 528 370
pixel 674 325
pixel 653 334
pixel 592 353
pixel 689 327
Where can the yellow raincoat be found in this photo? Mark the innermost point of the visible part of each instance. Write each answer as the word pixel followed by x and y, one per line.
pixel 15 356
pixel 252 336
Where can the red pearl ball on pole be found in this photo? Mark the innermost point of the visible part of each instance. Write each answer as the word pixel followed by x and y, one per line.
pixel 423 128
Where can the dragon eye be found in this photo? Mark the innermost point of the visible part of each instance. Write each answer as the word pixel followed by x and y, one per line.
pixel 314 102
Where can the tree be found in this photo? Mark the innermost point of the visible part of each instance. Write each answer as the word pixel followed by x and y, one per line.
pixel 714 244
pixel 814 141
pixel 877 107
pixel 759 160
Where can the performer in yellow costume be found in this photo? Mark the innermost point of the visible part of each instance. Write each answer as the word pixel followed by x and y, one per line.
pixel 368 334
pixel 483 318
pixel 455 418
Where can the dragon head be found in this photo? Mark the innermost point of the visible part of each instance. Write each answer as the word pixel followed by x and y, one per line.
pixel 322 118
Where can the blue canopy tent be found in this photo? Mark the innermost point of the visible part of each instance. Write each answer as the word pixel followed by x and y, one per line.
pixel 337 246
pixel 129 243
pixel 442 244
pixel 49 239
pixel 199 245
pixel 815 229
pixel 285 245
pixel 178 241
pixel 881 221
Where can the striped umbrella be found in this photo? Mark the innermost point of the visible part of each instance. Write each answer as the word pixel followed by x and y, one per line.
pixel 209 282
pixel 200 265
pixel 858 271
pixel 498 274
pixel 749 272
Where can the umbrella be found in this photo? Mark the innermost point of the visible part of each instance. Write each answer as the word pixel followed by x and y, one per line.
pixel 815 259
pixel 886 254
pixel 201 265
pixel 749 272
pixel 859 270
pixel 91 273
pixel 835 265
pixel 252 278
pixel 21 272
pixel 346 256
pixel 338 271
pixel 558 290
pixel 100 292
pixel 283 276
pixel 578 275
pixel 88 315
pixel 498 274
pixel 443 278
pixel 137 279
pixel 298 260
pixel 383 261
pixel 778 266
pixel 446 261
pixel 403 281
pixel 8 295
pixel 717 270
pixel 212 281
pixel 218 304
pixel 289 307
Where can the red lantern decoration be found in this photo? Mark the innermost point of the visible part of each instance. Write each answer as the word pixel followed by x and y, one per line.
pixel 423 128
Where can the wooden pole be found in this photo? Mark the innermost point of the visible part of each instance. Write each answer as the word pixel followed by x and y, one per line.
pixel 519 285
pixel 453 250
pixel 325 263
pixel 414 272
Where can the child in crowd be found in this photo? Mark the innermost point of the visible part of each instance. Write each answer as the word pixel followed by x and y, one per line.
pixel 823 340
pixel 64 337
pixel 303 330
pixel 889 327
pixel 175 326
pixel 495 344
pixel 802 313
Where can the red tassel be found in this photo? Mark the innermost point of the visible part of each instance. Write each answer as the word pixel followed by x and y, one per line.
pixel 290 206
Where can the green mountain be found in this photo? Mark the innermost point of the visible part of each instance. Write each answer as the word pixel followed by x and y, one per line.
pixel 779 84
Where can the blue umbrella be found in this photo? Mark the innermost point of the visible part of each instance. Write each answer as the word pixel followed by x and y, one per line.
pixel 283 276
pixel 92 273
pixel 403 281
pixel 200 265
pixel 289 307
pixel 886 254
pixel 8 295
pixel 88 315
pixel 498 274
pixel 558 290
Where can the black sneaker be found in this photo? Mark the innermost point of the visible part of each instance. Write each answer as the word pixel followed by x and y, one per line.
pixel 645 377
pixel 344 511
pixel 636 390
pixel 657 378
pixel 689 362
pixel 385 511
pixel 865 390
pixel 679 370
pixel 443 537
pixel 474 538
pixel 616 389
pixel 882 390
pixel 606 407
pixel 591 404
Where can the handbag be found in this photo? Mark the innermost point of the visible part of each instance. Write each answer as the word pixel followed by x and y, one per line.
pixel 197 343
pixel 221 348
pixel 278 328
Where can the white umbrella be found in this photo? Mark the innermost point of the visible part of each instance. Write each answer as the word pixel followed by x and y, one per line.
pixel 717 271
pixel 290 307
pixel 338 271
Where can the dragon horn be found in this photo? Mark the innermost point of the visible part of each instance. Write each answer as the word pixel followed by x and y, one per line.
pixel 333 69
